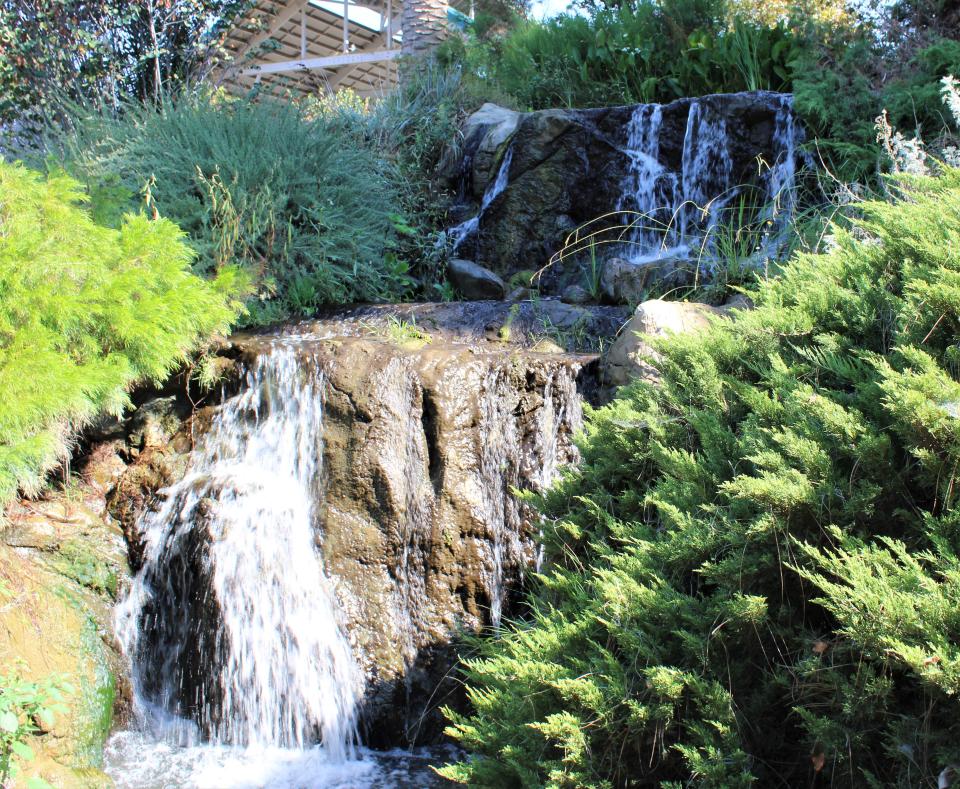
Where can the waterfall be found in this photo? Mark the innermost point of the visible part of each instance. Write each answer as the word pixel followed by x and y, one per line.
pixel 779 180
pixel 499 454
pixel 506 459
pixel 464 230
pixel 231 623
pixel 706 170
pixel 648 188
pixel 681 211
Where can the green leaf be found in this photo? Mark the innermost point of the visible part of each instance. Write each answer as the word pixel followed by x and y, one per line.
pixel 9 721
pixel 22 750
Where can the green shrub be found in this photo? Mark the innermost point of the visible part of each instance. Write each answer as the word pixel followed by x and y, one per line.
pixel 291 199
pixel 639 52
pixel 85 312
pixel 845 131
pixel 24 706
pixel 415 130
pixel 755 573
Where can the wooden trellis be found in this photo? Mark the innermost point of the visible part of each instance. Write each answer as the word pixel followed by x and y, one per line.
pixel 313 46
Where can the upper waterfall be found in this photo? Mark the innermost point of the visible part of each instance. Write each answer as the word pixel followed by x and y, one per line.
pixel 667 213
pixel 663 182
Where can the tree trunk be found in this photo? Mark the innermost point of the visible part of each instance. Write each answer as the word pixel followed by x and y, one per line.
pixel 424 26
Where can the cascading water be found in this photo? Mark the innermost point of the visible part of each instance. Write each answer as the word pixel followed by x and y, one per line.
pixel 779 180
pixel 680 214
pixel 504 461
pixel 649 189
pixel 464 230
pixel 239 662
pixel 706 170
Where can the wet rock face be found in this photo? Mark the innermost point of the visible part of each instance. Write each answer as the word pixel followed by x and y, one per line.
pixel 427 431
pixel 418 524
pixel 568 167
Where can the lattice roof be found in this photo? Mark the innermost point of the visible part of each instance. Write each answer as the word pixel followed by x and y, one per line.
pixel 304 46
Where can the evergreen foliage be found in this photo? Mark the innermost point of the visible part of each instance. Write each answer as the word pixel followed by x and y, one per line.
pixel 643 52
pixel 755 572
pixel 292 199
pixel 845 131
pixel 85 312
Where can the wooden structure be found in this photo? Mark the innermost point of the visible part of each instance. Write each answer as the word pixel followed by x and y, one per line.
pixel 313 46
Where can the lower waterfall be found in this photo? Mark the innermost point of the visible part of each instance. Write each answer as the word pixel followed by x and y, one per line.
pixel 242 673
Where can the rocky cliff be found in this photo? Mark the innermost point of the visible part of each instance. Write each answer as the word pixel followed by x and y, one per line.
pixel 528 179
pixel 433 417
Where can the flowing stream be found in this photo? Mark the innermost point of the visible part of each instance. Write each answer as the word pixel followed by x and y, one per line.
pixel 465 230
pixel 242 673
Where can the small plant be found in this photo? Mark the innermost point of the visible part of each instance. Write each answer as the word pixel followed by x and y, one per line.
pixel 505 332
pixel 909 155
pixel 444 290
pixel 521 279
pixel 406 334
pixel 26 708
pixel 593 275
pixel 575 337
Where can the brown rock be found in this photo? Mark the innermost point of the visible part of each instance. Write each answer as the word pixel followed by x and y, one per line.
pixel 628 357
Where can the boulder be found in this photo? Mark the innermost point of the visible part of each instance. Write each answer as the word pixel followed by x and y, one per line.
pixel 420 531
pixel 485 133
pixel 629 356
pixel 556 314
pixel 576 294
pixel 629 281
pixel 475 282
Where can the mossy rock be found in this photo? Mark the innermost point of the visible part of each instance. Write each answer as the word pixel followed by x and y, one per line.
pixel 56 595
pixel 47 629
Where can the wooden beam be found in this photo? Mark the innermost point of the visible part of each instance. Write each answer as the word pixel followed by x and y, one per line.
pixel 332 61
pixel 384 38
pixel 328 37
pixel 281 19
pixel 303 31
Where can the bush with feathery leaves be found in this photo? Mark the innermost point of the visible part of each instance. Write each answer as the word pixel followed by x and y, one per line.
pixel 755 574
pixel 86 311
pixel 295 200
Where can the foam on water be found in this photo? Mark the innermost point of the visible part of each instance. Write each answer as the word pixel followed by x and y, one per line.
pixel 137 761
pixel 239 663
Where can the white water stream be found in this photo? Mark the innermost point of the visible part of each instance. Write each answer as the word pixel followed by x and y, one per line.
pixel 679 216
pixel 242 675
pixel 464 230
